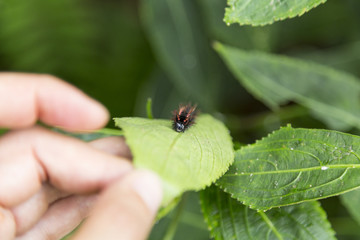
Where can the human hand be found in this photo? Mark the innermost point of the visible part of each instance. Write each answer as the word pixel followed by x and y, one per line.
pixel 49 182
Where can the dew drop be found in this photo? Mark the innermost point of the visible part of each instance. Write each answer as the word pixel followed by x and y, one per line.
pixel 291 149
pixel 251 174
pixel 228 23
pixel 310 185
pixel 324 168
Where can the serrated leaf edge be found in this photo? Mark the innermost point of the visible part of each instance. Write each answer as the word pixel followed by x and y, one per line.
pixel 274 19
pixel 254 207
pixel 216 177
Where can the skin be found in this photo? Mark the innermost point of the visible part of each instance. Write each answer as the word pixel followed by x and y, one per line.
pixel 49 182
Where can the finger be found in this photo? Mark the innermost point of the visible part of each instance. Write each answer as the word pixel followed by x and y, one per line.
pixel 125 210
pixel 28 213
pixel 7 225
pixel 113 145
pixel 61 218
pixel 24 98
pixel 32 156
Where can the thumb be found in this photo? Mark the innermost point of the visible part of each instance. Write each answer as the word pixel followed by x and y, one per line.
pixel 125 210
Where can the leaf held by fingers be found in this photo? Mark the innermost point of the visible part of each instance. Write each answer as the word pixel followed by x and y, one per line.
pixel 185 161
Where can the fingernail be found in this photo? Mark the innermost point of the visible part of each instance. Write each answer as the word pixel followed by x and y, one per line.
pixel 148 186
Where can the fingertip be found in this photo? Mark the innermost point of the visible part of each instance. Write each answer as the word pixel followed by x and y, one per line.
pixel 148 186
pixel 70 108
pixel 26 98
pixel 126 209
pixel 99 115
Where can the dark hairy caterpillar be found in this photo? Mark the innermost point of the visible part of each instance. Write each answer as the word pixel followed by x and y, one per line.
pixel 184 117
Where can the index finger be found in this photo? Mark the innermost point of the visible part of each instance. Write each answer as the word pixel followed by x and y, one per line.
pixel 25 98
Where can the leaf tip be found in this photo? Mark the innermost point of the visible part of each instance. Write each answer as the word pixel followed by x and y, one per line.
pixel 115 119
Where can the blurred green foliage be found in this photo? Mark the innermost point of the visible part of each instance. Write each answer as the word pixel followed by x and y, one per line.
pixel 122 52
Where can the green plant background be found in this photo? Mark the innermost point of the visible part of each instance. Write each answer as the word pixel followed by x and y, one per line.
pixel 122 52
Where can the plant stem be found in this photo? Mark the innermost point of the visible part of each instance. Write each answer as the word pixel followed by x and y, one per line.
pixel 148 109
pixel 3 130
pixel 170 233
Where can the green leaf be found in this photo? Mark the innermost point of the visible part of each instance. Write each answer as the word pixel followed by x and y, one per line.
pixel 185 161
pixel 344 57
pixel 229 219
pixel 351 201
pixel 245 37
pixel 292 166
pixel 263 12
pixel 180 45
pixel 333 96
